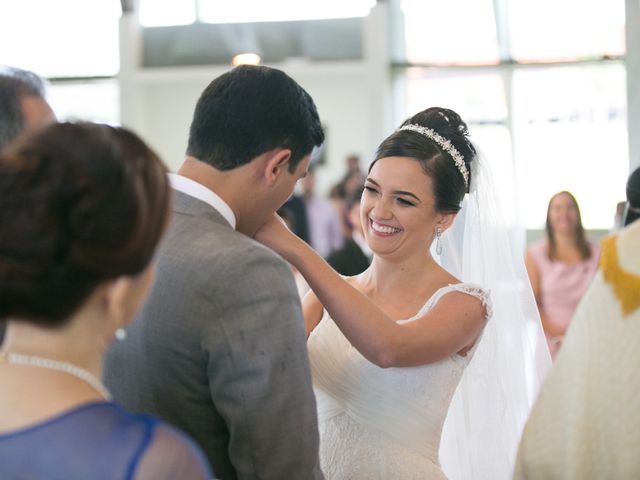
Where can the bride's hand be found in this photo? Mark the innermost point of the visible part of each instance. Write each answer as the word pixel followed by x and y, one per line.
pixel 275 235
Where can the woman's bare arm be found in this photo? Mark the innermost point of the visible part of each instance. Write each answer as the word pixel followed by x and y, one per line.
pixel 448 328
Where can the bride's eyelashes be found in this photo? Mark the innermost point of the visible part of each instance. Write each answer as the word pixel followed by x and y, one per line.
pixel 405 203
pixel 370 189
pixel 401 201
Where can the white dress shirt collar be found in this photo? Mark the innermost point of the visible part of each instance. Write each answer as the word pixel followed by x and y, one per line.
pixel 199 191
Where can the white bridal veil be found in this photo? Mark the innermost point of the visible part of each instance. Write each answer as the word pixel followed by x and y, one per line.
pixel 500 384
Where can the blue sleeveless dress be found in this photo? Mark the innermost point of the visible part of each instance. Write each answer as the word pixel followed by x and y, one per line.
pixel 100 440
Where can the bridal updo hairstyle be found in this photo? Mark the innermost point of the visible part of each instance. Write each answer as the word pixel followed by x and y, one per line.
pixel 80 204
pixel 448 183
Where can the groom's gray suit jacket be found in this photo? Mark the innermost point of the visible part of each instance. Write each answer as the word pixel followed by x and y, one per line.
pixel 219 351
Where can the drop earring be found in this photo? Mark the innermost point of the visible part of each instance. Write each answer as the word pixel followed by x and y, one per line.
pixel 438 241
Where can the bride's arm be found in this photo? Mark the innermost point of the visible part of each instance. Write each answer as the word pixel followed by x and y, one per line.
pixel 450 327
pixel 312 311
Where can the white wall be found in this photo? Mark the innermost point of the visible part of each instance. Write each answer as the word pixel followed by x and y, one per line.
pixel 342 100
pixel 166 100
pixel 353 99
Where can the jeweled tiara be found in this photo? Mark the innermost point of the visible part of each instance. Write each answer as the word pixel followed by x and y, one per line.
pixel 445 144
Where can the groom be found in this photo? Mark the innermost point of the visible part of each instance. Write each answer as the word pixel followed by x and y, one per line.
pixel 219 348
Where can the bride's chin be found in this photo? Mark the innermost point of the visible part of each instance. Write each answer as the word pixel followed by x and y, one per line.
pixel 381 250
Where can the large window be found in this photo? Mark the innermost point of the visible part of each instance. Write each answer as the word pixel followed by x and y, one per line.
pixel 61 38
pixel 66 40
pixel 436 32
pixel 181 12
pixel 570 134
pixel 550 115
pixel 551 30
pixel 97 100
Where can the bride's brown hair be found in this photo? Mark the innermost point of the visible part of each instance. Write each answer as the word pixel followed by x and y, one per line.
pixel 449 186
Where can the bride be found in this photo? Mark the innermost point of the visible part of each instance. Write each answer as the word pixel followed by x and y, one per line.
pixel 389 347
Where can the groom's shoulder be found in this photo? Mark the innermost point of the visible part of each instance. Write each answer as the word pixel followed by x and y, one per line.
pixel 217 246
pixel 235 246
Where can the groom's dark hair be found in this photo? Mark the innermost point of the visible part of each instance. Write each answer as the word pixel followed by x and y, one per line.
pixel 249 111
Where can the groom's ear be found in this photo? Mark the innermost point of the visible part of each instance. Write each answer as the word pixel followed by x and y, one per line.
pixel 276 164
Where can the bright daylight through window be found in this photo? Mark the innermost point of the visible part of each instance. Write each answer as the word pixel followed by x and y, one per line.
pixel 545 109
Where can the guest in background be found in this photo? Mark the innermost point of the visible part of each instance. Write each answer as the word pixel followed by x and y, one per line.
pixel 585 423
pixel 301 284
pixel 82 208
pixel 296 214
pixel 633 197
pixel 325 230
pixel 618 218
pixel 352 182
pixel 561 267
pixel 353 165
pixel 23 109
pixel 355 255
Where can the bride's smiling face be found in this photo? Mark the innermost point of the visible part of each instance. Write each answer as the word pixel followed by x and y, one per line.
pixel 397 208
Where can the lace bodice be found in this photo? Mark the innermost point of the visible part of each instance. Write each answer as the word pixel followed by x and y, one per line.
pixel 376 422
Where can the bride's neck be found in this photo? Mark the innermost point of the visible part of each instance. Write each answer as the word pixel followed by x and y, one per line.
pixel 387 275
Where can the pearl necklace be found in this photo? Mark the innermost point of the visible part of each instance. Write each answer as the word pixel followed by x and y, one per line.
pixel 40 362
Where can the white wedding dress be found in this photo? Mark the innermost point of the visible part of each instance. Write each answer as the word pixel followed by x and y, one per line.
pixel 382 423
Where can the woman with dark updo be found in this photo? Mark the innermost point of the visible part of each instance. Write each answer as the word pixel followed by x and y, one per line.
pixel 389 347
pixel 82 208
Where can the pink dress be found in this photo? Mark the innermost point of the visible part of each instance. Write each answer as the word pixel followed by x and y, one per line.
pixel 562 285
